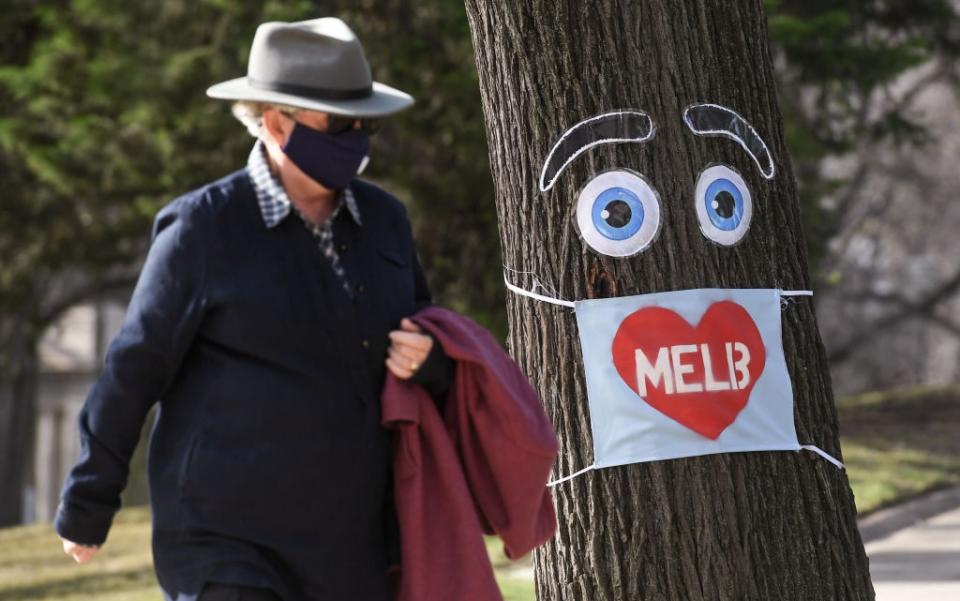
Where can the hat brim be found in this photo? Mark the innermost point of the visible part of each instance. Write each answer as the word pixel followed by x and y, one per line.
pixel 384 101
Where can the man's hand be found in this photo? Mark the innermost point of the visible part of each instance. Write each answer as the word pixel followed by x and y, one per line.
pixel 409 348
pixel 80 553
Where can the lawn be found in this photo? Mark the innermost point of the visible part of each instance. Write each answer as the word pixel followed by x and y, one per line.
pixel 32 566
pixel 896 445
pixel 900 443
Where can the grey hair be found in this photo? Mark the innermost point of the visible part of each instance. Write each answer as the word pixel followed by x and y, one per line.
pixel 250 113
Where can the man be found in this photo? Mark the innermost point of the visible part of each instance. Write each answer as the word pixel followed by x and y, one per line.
pixel 269 308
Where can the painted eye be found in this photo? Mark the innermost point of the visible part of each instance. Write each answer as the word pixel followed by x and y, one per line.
pixel 724 205
pixel 618 213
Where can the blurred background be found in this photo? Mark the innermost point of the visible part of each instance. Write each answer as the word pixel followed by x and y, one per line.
pixel 103 120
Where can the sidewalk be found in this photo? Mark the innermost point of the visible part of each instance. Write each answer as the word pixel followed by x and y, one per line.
pixel 920 562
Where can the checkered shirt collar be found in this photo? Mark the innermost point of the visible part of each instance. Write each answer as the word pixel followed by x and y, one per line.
pixel 274 203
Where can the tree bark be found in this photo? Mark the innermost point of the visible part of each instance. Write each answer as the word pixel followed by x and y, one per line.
pixel 742 526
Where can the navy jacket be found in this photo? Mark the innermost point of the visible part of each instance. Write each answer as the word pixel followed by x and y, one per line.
pixel 267 462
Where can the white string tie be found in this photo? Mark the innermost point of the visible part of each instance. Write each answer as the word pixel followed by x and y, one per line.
pixel 573 475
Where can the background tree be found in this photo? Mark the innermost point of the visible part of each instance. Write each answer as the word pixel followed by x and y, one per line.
pixel 434 156
pixel 870 94
pixel 836 60
pixel 768 525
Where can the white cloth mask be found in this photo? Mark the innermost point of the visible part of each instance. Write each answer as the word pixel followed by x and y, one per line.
pixel 685 373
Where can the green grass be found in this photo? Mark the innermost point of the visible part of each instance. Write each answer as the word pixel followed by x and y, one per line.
pixel 514 577
pixel 896 444
pixel 900 443
pixel 33 566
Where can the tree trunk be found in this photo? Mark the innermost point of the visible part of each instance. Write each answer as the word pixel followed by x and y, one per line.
pixel 740 526
pixel 18 383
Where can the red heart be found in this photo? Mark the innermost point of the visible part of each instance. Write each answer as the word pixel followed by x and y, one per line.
pixel 687 396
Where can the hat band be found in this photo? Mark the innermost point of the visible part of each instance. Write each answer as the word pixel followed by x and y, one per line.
pixel 312 92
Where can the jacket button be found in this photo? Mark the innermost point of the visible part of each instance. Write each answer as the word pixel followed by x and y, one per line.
pixel 342 247
pixel 360 288
pixel 365 343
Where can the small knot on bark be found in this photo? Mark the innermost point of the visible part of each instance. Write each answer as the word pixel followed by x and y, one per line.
pixel 600 284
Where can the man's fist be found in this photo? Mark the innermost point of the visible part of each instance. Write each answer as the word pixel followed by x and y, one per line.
pixel 80 553
pixel 409 348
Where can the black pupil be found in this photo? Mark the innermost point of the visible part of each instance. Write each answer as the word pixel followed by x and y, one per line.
pixel 618 213
pixel 725 204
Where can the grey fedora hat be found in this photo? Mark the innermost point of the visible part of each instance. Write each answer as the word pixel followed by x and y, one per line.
pixel 317 65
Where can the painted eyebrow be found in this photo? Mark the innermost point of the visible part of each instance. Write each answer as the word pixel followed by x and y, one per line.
pixel 715 120
pixel 606 128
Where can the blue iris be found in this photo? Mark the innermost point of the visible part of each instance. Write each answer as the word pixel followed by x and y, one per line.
pixel 724 204
pixel 617 213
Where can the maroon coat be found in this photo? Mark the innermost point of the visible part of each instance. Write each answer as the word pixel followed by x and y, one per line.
pixel 481 467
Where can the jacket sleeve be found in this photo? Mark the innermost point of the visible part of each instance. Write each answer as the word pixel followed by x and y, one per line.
pixel 436 372
pixel 162 319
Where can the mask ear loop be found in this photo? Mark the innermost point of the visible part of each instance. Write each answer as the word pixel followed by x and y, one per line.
pixel 572 476
pixel 535 296
pixel 824 454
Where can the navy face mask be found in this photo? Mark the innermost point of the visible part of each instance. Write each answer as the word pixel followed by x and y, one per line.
pixel 330 159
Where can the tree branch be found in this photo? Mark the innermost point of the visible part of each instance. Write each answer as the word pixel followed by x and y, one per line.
pixel 906 309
